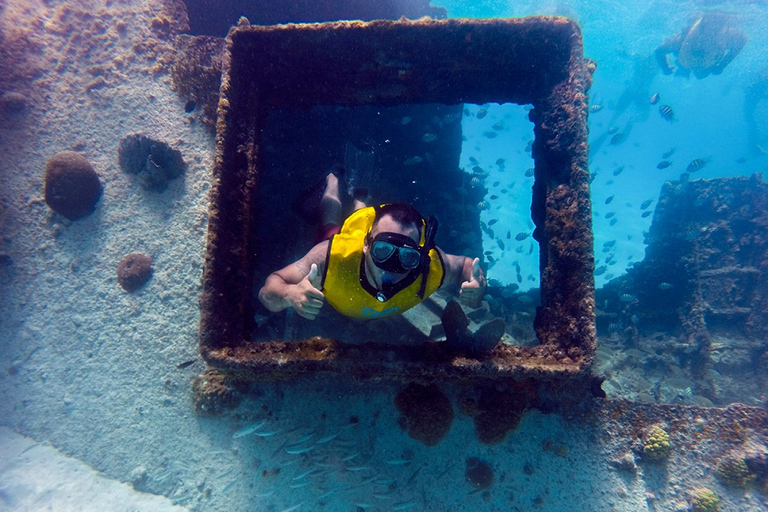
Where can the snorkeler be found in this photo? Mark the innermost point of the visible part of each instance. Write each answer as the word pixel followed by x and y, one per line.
pixel 380 262
pixel 705 47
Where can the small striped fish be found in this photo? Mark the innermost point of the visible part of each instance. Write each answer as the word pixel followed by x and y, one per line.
pixel 696 165
pixel 667 113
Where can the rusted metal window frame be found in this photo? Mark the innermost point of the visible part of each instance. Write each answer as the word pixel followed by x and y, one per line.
pixel 537 61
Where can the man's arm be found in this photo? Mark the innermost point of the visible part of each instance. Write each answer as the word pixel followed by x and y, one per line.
pixel 297 285
pixel 466 275
pixel 670 45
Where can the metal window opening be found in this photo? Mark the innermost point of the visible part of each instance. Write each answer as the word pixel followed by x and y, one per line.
pixel 537 61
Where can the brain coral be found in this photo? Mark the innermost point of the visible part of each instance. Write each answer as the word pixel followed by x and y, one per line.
pixel 72 187
pixel 133 271
pixel 427 413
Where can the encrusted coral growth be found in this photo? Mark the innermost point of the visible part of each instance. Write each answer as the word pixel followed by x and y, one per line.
pixel 656 443
pixel 497 412
pixel 133 271
pixel 196 73
pixel 154 162
pixel 479 473
pixel 215 391
pixel 704 500
pixel 732 470
pixel 427 413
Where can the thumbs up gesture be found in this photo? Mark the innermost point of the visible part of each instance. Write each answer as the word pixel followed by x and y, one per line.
pixel 473 288
pixel 305 297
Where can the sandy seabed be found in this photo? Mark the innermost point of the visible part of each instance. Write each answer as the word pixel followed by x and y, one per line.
pixel 90 371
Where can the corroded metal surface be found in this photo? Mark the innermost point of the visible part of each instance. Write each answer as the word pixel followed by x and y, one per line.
pixel 536 61
pixel 377 360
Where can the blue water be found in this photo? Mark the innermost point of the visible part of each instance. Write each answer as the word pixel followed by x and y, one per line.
pixel 710 121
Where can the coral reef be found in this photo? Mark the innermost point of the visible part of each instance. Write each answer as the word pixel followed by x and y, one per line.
pixel 214 392
pixel 733 471
pixel 153 162
pixel 196 73
pixel 479 473
pixel 427 413
pixel 133 271
pixel 704 500
pixel 72 187
pixel 656 444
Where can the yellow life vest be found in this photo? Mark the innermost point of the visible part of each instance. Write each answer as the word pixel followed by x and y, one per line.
pixel 342 279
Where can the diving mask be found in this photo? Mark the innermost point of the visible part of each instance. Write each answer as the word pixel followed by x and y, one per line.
pixel 395 253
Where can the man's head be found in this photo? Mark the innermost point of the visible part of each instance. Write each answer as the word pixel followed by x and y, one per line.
pixel 398 227
pixel 398 218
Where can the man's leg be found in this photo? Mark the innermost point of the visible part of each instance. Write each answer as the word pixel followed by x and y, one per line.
pixel 330 204
pixel 358 203
pixel 330 210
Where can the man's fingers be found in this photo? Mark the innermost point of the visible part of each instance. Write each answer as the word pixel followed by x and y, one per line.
pixel 313 277
pixel 310 310
pixel 313 303
pixel 315 295
pixel 308 315
pixel 476 268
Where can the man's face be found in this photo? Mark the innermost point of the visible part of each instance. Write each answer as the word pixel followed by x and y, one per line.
pixel 389 225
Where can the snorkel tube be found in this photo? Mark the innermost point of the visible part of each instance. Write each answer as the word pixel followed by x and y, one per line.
pixel 429 244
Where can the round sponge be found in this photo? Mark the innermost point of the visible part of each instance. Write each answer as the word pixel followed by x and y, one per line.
pixel 133 271
pixel 72 187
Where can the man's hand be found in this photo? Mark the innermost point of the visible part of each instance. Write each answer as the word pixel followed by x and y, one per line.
pixel 473 290
pixel 304 297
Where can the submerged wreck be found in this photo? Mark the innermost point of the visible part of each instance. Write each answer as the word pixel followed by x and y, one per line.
pixel 537 61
